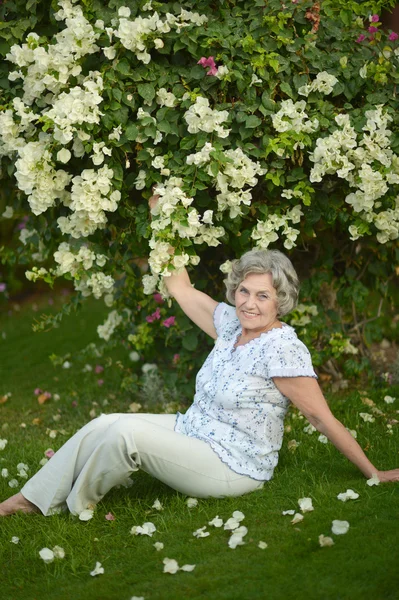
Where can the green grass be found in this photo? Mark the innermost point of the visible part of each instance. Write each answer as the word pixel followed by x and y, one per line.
pixel 362 564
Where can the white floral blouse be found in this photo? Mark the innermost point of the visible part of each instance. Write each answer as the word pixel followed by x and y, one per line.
pixel 237 409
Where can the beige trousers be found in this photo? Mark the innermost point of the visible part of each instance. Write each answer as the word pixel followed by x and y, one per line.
pixel 108 449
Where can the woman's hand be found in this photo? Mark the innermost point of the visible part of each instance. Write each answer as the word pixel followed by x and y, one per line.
pixel 392 475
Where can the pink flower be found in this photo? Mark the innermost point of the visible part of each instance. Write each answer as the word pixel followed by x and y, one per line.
pixel 373 29
pixel 208 62
pixel 374 18
pixel 361 38
pixel 100 381
pixel 22 224
pixel 74 403
pixel 110 517
pixel 38 391
pixel 49 453
pixel 158 298
pixel 393 36
pixel 169 322
pixel 154 317
pixel 3 287
pixel 98 369
pixel 176 358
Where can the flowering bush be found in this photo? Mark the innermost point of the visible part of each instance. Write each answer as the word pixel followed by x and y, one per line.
pixel 252 131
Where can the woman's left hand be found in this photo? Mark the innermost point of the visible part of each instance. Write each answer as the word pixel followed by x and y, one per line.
pixel 392 475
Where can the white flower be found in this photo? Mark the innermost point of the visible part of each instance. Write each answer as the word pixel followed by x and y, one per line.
pixel 86 514
pixel 389 399
pixel 262 545
pixel 98 570
pixel 323 439
pixel 134 356
pixel 59 552
pixel 309 429
pixel 3 444
pixel 325 541
pixel 373 480
pixel 297 518
pixel 13 483
pixel 63 155
pixel 288 512
pixel 124 11
pixel 14 540
pixel 305 504
pixel 145 529
pixel 339 527
pixel 191 502
pixel 46 555
pixel 4 472
pixel 367 417
pixel 157 505
pixel 200 533
pixel 147 367
pixel 348 495
pixel 216 522
pixel 234 521
pixel 170 565
pixel 236 539
pixel 8 213
pixel 158 546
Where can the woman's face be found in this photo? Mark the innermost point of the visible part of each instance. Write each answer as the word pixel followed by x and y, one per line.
pixel 256 302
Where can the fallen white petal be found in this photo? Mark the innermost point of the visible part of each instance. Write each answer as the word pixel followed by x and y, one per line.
pixel 191 502
pixel 157 505
pixel 98 570
pixel 170 565
pixel 231 524
pixel 158 546
pixel 236 538
pixel 262 545
pixel 325 541
pixel 288 512
pixel 373 480
pixel 59 552
pixel 86 514
pixel 46 555
pixel 305 504
pixel 323 439
pixel 339 527
pixel 348 495
pixel 200 533
pixel 238 515
pixel 187 568
pixel 297 518
pixel 145 529
pixel 15 539
pixel 216 522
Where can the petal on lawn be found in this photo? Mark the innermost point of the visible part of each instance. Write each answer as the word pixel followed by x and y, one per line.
pixel 157 505
pixel 216 522
pixel 373 480
pixel 262 545
pixel 110 517
pixel 348 495
pixel 59 552
pixel 305 504
pixel 297 518
pixel 86 514
pixel 46 555
pixel 144 529
pixel 170 566
pixel 236 538
pixel 191 502
pixel 288 512
pixel 231 524
pixel 15 539
pixel 325 541
pixel 187 568
pixel 339 527
pixel 158 546
pixel 200 533
pixel 98 570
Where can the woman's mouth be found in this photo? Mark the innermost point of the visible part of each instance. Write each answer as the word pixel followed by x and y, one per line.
pixel 249 315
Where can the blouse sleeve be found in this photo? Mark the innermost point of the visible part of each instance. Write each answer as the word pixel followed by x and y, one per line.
pixel 222 315
pixel 290 359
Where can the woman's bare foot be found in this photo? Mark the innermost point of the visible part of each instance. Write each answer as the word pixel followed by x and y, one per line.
pixel 16 503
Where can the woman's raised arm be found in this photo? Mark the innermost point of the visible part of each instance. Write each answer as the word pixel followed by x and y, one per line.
pixel 199 307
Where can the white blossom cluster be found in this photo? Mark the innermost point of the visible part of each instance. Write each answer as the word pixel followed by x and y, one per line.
pixel 97 284
pixel 292 117
pixel 138 34
pixel 323 83
pixel 200 117
pixel 344 154
pixel 106 330
pixel 265 232
pixel 302 315
pixel 73 263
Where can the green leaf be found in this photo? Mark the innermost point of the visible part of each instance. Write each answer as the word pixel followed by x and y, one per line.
pixel 123 66
pixel 251 122
pixel 131 132
pixel 190 341
pixel 146 91
pixel 286 88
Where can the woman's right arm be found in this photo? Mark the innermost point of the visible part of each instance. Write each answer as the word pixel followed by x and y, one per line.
pixel 199 307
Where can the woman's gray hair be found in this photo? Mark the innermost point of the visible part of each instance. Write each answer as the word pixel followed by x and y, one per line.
pixel 285 279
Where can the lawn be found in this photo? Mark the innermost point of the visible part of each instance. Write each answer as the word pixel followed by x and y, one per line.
pixel 363 563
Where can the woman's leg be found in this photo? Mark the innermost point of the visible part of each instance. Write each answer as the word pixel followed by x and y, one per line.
pixel 108 449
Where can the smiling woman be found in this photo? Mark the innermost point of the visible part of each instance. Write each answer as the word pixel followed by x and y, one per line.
pixel 227 443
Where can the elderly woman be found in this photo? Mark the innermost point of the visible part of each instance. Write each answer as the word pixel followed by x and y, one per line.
pixel 227 442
